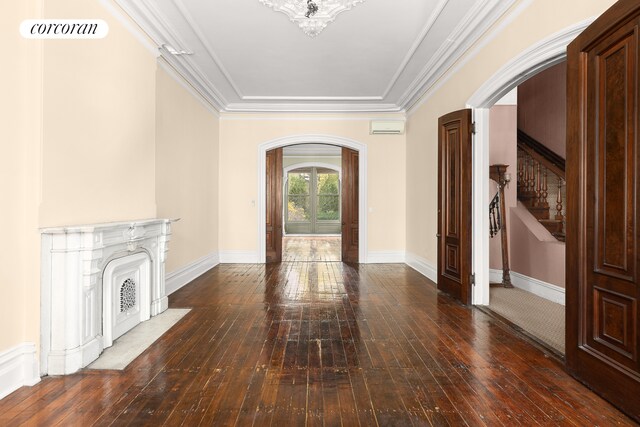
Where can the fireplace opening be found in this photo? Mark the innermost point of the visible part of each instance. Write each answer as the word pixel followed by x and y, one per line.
pixel 126 295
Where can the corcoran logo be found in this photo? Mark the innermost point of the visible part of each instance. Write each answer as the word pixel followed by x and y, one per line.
pixel 64 29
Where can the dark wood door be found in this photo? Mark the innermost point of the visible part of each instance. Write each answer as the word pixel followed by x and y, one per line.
pixel 603 323
pixel 274 205
pixel 454 205
pixel 350 203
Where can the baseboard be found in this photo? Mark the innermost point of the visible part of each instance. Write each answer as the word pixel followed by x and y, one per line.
pixel 537 287
pixel 178 278
pixel 422 266
pixel 239 257
pixel 18 367
pixel 386 257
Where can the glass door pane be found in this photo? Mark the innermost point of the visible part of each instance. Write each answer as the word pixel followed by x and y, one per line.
pixel 299 209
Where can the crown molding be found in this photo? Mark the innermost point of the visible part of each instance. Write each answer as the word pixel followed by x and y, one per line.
pixel 468 32
pixel 476 22
pixel 416 44
pixel 203 40
pixel 117 11
pixel 185 84
pixel 420 100
pixel 315 117
pixel 312 98
pixel 312 108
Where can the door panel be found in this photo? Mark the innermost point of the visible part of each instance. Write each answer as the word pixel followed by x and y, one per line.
pixel 603 323
pixel 274 205
pixel 350 205
pixel 454 205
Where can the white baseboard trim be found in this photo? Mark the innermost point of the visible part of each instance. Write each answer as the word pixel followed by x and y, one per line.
pixel 538 287
pixel 422 266
pixel 386 257
pixel 18 367
pixel 178 278
pixel 239 257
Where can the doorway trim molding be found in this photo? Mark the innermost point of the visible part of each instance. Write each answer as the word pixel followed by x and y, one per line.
pixel 313 139
pixel 537 58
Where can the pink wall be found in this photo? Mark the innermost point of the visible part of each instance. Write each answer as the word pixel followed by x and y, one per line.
pixel 536 254
pixel 532 250
pixel 502 150
pixel 542 107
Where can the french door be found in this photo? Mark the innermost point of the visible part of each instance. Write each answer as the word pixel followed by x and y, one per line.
pixel 312 204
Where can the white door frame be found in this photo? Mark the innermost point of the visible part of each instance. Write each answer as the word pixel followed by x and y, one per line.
pixel 537 58
pixel 313 139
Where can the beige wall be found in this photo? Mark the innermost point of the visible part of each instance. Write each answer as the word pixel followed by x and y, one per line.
pixel 186 172
pixel 20 130
pixel 99 124
pixel 240 136
pixel 78 123
pixel 539 20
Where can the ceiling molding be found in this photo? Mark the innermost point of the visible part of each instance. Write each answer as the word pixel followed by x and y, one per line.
pixel 218 83
pixel 315 117
pixel 178 78
pixel 202 39
pixel 468 32
pixel 125 19
pixel 158 31
pixel 411 109
pixel 311 108
pixel 312 98
pixel 416 44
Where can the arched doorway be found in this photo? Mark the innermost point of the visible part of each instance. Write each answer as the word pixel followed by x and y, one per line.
pixel 314 139
pixel 543 55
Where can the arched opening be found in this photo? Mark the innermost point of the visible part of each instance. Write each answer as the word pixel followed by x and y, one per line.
pixel 532 62
pixel 308 140
pixel 312 203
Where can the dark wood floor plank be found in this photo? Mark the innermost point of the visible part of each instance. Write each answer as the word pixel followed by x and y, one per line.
pixel 321 343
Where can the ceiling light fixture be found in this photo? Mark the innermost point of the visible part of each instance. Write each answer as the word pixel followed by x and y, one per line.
pixel 312 16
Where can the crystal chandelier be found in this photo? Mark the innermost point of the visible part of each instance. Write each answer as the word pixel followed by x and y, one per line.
pixel 311 15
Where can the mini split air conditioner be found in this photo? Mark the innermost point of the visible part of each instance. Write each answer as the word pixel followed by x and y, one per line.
pixel 386 127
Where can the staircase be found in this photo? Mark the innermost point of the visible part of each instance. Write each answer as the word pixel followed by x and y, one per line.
pixel 541 184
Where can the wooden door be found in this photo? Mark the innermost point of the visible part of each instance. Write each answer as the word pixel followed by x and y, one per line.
pixel 274 206
pixel 454 205
pixel 603 323
pixel 350 203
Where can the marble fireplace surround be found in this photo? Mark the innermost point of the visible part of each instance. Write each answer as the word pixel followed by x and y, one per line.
pixel 73 264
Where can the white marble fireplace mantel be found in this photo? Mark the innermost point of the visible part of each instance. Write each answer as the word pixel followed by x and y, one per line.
pixel 73 264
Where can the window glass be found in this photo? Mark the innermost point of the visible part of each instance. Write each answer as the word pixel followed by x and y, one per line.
pixel 298 206
pixel 328 194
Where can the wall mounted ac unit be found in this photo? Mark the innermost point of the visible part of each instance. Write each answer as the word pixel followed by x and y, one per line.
pixel 386 127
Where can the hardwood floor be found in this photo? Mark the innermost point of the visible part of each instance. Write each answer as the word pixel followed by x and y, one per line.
pixel 311 248
pixel 307 343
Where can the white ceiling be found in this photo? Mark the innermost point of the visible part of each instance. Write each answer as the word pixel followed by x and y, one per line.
pixel 379 56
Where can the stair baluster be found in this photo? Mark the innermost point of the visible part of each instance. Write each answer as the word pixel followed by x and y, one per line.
pixel 544 188
pixel 535 163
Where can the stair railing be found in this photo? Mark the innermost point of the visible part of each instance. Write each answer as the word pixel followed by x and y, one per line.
pixel 539 168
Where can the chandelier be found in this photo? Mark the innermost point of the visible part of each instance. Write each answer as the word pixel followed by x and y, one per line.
pixel 312 16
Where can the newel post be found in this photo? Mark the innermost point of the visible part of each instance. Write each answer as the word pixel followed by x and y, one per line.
pixel 499 174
